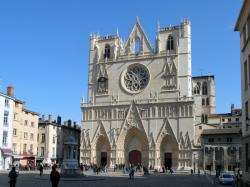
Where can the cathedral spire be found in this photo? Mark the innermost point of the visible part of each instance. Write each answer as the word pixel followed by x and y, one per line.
pixel 158 27
pixel 137 19
pixel 117 32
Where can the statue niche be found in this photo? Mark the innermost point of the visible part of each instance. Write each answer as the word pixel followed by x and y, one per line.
pixel 102 79
pixel 102 85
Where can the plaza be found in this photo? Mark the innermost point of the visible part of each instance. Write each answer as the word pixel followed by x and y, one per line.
pixel 112 179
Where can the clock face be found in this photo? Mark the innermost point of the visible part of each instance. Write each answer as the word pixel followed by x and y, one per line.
pixel 135 78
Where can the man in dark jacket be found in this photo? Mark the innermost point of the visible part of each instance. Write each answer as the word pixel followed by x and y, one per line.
pixel 13 176
pixel 41 169
pixel 54 176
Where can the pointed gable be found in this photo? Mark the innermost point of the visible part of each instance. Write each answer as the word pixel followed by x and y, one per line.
pixel 166 129
pixel 100 131
pixel 181 141
pixel 137 33
pixel 133 119
pixel 187 141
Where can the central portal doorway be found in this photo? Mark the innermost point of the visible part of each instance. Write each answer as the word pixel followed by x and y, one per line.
pixel 135 157
pixel 104 158
pixel 168 160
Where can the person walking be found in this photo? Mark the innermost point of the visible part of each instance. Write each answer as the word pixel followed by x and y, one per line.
pixel 54 176
pixel 131 172
pixel 81 167
pixel 41 169
pixel 13 177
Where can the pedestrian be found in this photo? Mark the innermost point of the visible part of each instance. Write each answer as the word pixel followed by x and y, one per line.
pixel 13 177
pixel 131 172
pixel 199 172
pixel 41 169
pixel 171 171
pixel 54 176
pixel 81 167
pixel 192 172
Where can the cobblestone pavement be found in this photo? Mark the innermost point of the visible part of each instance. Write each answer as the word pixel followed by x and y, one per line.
pixel 111 179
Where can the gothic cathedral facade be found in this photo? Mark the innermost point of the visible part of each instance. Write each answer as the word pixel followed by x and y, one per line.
pixel 140 106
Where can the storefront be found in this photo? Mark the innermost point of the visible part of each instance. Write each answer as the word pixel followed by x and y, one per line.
pixel 28 162
pixel 6 154
pixel 39 160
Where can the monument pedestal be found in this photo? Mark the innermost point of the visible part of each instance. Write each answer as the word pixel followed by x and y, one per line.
pixel 70 165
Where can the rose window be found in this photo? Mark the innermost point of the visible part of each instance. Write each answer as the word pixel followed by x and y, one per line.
pixel 135 78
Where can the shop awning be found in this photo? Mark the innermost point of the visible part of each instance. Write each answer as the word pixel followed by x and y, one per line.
pixel 6 151
pixel 39 158
pixel 17 157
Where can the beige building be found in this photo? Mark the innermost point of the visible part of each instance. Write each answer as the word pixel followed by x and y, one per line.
pixel 198 130
pixel 25 131
pixel 51 137
pixel 243 26
pixel 233 119
pixel 211 138
pixel 221 149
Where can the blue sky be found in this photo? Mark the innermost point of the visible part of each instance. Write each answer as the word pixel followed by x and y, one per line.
pixel 44 45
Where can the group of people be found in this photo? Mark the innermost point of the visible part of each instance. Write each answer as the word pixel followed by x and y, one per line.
pixel 54 176
pixel 164 169
pixel 132 171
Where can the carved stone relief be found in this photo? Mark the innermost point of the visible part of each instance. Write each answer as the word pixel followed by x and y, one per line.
pixel 102 79
pixel 170 76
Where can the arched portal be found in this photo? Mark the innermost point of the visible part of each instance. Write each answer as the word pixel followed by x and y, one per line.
pixel 169 152
pixel 103 151
pixel 136 147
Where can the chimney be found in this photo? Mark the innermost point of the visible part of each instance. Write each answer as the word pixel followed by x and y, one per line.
pixel 49 118
pixel 74 124
pixel 59 119
pixel 10 91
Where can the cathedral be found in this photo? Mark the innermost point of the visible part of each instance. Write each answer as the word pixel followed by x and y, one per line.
pixel 140 105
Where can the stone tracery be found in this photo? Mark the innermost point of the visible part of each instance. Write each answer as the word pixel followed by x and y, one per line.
pixel 135 78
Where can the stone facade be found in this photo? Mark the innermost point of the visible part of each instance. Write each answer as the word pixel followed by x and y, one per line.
pixel 217 129
pixel 204 97
pixel 140 106
pixel 233 119
pixel 221 149
pixel 25 131
pixel 243 26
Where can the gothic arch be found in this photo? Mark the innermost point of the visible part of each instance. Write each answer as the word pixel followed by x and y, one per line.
pixel 103 150
pixel 134 139
pixel 197 88
pixel 107 51
pixel 169 151
pixel 204 88
pixel 170 43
